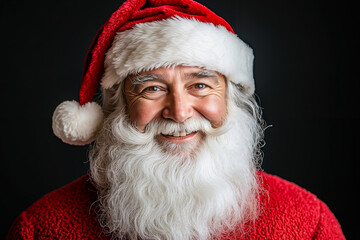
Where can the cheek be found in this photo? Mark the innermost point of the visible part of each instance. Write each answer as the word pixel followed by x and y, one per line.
pixel 213 109
pixel 142 113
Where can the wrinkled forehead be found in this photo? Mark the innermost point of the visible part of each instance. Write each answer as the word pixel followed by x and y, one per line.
pixel 163 73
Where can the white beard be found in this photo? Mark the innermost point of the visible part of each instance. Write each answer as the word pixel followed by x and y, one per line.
pixel 149 191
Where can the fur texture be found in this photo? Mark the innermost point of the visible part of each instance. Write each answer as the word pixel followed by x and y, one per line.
pixel 179 41
pixel 75 124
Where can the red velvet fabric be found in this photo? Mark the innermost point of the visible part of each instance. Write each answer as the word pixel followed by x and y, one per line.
pixel 290 212
pixel 130 13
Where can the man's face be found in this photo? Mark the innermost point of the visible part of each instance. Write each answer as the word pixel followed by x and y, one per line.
pixel 176 94
pixel 189 175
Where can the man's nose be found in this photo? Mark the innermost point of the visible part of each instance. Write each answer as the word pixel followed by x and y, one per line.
pixel 178 107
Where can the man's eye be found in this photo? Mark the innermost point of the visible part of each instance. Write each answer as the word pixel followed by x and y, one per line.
pixel 199 86
pixel 151 89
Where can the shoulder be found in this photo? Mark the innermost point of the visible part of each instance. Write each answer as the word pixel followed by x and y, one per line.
pixel 292 210
pixel 71 198
pixel 288 194
pixel 66 213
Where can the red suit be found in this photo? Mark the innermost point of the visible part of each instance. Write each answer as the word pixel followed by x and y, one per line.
pixel 69 213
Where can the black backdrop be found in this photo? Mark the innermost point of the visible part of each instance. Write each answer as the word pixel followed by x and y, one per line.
pixel 305 78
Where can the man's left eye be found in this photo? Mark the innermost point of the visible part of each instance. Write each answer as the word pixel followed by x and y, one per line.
pixel 199 86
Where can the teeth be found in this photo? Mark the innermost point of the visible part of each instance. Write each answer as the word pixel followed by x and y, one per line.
pixel 181 133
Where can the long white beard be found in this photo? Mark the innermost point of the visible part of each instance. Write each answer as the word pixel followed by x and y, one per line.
pixel 150 192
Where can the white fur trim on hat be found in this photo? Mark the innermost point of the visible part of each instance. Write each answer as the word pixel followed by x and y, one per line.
pixel 179 41
pixel 75 124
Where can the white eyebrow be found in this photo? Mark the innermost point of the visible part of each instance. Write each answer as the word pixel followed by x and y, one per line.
pixel 203 74
pixel 140 79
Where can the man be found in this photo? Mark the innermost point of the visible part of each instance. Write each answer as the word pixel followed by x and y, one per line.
pixel 177 140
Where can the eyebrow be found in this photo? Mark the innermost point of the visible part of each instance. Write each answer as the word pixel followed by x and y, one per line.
pixel 203 74
pixel 140 79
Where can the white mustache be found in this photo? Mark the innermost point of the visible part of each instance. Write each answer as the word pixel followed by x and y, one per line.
pixel 168 127
pixel 165 127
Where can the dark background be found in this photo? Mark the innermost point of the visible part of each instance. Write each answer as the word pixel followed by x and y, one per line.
pixel 305 78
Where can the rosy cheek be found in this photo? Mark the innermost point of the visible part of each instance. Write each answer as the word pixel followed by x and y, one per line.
pixel 142 114
pixel 213 110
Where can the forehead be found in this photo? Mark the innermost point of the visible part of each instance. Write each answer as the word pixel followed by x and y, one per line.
pixel 184 72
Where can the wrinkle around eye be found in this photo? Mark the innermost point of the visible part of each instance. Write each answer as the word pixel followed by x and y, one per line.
pixel 199 88
pixel 147 93
pixel 205 91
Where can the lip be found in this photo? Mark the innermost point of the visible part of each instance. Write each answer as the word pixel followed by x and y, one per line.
pixel 180 138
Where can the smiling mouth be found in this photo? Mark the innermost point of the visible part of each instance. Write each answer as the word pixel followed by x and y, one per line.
pixel 182 133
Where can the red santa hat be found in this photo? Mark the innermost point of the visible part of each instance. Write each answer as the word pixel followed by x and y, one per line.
pixel 144 35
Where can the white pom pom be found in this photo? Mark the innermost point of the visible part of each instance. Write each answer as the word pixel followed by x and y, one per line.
pixel 75 124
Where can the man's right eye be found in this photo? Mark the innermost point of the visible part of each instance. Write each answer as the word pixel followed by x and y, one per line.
pixel 151 89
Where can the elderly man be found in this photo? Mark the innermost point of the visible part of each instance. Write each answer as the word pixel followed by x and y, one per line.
pixel 177 140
